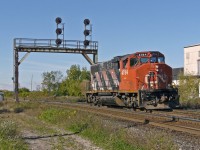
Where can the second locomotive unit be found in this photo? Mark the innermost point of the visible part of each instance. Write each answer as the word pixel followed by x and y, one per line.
pixel 139 80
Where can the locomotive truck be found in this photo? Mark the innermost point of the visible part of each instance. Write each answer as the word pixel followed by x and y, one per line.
pixel 139 80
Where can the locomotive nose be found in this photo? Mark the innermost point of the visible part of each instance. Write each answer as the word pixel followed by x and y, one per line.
pixel 163 75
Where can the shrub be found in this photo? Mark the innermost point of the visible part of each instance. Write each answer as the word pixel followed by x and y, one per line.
pixel 189 91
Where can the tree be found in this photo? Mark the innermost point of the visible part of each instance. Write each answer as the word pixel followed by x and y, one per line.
pixel 71 85
pixel 51 81
pixel 189 90
pixel 21 90
pixel 24 92
pixel 85 75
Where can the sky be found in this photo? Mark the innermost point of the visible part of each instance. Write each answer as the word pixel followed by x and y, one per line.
pixel 120 26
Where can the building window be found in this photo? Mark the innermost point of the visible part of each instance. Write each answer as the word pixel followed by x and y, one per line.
pixel 187 55
pixel 199 53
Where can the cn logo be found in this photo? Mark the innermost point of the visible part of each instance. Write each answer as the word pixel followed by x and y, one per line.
pixel 124 72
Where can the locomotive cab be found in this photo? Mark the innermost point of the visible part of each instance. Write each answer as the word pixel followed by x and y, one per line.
pixel 144 70
pixel 147 79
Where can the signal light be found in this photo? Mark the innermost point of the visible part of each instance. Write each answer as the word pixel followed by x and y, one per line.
pixel 86 21
pixel 58 31
pixel 58 41
pixel 86 42
pixel 86 32
pixel 58 20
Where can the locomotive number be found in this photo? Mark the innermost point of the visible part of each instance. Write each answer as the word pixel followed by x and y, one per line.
pixel 124 72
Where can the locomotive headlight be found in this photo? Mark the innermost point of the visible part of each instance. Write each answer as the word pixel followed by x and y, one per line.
pixel 152 86
pixel 157 68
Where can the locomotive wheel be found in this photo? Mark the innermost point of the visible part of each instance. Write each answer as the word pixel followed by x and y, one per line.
pixel 99 104
pixel 142 109
pixel 134 109
pixel 89 98
pixel 134 106
pixel 148 110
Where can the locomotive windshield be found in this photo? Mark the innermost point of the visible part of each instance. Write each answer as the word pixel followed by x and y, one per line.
pixel 144 60
pixel 153 59
pixel 161 60
pixel 157 60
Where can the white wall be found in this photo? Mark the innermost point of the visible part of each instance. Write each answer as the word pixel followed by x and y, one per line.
pixel 191 57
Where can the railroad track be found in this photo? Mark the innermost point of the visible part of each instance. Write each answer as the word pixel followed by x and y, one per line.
pixel 191 113
pixel 183 114
pixel 175 123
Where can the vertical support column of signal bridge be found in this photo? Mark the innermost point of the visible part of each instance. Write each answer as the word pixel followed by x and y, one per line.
pixel 49 46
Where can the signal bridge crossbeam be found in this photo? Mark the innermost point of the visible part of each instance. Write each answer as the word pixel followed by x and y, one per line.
pixel 50 46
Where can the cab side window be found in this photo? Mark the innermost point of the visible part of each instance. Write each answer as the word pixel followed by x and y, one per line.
pixel 125 63
pixel 161 59
pixel 133 61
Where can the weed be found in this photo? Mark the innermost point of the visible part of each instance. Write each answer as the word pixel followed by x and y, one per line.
pixel 4 111
pixel 9 138
pixel 18 110
pixel 104 134
pixel 53 115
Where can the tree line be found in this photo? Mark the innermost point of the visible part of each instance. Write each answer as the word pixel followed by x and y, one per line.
pixel 54 83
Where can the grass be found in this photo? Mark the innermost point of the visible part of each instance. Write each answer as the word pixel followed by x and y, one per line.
pixel 46 119
pixel 104 134
pixel 9 138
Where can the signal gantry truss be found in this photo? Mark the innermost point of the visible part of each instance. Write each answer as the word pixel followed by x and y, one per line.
pixel 49 46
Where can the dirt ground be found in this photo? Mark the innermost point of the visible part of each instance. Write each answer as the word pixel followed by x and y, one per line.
pixel 47 137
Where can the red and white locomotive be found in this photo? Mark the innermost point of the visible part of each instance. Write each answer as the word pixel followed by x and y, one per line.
pixel 139 80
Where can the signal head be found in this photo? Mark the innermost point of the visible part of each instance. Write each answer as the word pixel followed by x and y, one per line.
pixel 86 32
pixel 86 21
pixel 58 41
pixel 58 31
pixel 86 43
pixel 58 20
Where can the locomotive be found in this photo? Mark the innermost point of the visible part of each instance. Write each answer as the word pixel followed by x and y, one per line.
pixel 139 80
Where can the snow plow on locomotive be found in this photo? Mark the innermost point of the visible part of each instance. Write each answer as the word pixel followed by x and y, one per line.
pixel 140 80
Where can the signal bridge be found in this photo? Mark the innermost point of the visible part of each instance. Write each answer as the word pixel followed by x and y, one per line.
pixel 50 46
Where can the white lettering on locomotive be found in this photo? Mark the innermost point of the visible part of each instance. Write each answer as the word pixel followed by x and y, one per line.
pixel 124 72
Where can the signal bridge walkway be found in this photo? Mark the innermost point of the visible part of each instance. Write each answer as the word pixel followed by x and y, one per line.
pixel 49 45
